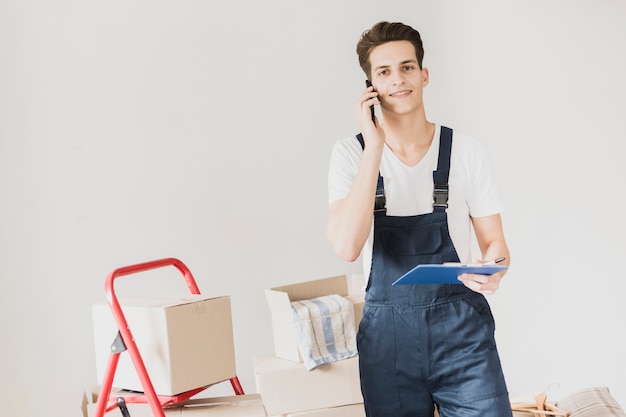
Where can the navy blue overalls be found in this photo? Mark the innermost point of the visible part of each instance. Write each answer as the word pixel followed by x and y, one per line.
pixel 425 344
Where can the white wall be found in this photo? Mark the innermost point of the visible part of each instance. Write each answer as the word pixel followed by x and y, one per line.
pixel 131 131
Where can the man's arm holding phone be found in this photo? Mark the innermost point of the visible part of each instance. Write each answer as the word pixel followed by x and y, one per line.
pixel 350 219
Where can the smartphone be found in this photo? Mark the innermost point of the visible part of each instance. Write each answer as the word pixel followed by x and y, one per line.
pixel 369 84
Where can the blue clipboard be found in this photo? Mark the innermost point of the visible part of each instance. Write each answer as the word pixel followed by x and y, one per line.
pixel 444 273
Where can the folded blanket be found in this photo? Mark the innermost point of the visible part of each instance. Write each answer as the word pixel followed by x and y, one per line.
pixel 325 329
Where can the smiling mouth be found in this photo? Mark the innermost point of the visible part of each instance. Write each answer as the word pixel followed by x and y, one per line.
pixel 400 93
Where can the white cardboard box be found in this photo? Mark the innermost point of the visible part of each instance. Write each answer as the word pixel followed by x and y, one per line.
pixel 185 342
pixel 279 300
pixel 249 405
pixel 287 387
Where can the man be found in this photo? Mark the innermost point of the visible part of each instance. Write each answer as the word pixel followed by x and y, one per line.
pixel 426 344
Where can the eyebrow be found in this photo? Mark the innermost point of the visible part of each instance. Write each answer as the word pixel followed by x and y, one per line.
pixel 407 61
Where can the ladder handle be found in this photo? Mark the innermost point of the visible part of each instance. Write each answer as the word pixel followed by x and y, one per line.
pixel 124 329
pixel 146 266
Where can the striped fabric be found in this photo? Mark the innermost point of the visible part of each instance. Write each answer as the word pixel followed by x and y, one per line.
pixel 325 329
pixel 592 402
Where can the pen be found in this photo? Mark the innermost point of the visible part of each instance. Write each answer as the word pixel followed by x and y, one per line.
pixel 495 261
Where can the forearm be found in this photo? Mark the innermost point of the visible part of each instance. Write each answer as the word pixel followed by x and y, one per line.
pixel 350 219
pixel 495 249
pixel 490 237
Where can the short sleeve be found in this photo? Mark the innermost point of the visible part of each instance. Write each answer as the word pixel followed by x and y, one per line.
pixel 345 160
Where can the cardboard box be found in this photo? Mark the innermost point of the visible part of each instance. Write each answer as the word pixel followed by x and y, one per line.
pixel 354 410
pixel 279 300
pixel 287 387
pixel 249 405
pixel 185 342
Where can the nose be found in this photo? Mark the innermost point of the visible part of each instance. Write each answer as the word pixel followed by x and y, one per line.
pixel 397 78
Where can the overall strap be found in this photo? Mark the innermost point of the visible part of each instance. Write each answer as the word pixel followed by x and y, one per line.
pixel 379 201
pixel 441 175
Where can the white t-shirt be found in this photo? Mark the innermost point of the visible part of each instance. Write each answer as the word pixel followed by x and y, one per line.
pixel 409 190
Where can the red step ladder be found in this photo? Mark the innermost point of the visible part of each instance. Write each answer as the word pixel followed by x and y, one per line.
pixel 125 341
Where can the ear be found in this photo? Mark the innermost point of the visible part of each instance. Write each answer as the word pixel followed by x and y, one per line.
pixel 425 76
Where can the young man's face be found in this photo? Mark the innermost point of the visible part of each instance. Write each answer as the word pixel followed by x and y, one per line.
pixel 397 77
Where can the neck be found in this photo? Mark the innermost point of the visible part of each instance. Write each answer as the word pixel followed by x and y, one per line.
pixel 408 131
pixel 408 136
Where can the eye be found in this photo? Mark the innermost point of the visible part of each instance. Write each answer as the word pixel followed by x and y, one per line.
pixel 409 67
pixel 383 72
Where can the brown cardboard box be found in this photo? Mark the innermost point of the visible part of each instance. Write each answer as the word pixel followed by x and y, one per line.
pixel 279 300
pixel 185 342
pixel 287 387
pixel 249 405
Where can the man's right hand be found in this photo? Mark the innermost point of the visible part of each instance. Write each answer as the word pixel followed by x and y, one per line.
pixel 372 133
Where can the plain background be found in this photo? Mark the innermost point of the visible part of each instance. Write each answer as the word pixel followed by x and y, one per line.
pixel 132 131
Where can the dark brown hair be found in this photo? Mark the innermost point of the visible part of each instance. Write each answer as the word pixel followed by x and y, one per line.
pixel 383 32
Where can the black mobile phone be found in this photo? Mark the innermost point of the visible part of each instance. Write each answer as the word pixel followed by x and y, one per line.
pixel 369 84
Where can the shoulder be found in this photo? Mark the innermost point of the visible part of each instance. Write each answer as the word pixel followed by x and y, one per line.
pixel 466 148
pixel 466 141
pixel 348 149
pixel 348 144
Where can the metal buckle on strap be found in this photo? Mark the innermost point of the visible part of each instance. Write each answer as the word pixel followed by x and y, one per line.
pixel 440 195
pixel 380 201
